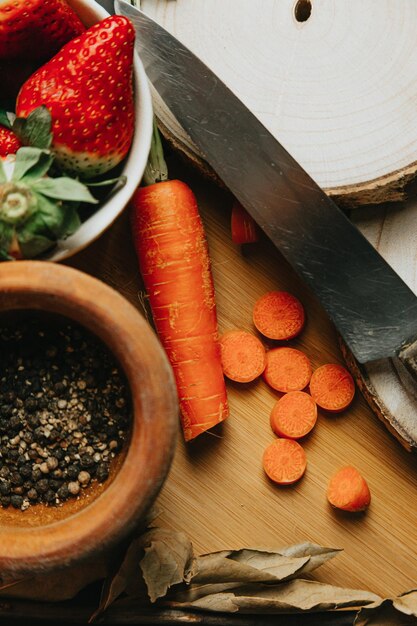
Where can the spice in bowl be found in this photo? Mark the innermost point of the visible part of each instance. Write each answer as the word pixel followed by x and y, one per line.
pixel 65 410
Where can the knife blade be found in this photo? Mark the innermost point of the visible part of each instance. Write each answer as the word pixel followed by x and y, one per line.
pixel 373 309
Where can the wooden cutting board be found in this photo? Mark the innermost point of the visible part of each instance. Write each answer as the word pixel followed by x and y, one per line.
pixel 216 491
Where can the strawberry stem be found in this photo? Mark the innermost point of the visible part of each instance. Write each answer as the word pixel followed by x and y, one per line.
pixel 16 203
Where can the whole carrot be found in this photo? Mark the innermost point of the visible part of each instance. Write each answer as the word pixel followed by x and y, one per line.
pixel 174 261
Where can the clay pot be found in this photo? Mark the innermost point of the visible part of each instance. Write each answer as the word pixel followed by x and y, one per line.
pixel 43 538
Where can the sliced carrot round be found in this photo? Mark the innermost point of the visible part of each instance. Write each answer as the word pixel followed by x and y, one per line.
pixel 332 387
pixel 284 461
pixel 287 369
pixel 278 315
pixel 243 356
pixel 294 415
pixel 348 490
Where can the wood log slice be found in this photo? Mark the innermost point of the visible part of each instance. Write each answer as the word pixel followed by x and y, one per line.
pixel 335 82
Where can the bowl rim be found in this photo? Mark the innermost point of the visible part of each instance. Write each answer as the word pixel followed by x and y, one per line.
pixel 114 512
pixel 134 165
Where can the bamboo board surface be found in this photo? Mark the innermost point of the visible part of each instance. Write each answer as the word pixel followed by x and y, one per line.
pixel 216 491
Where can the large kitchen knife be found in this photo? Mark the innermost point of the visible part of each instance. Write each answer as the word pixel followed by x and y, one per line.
pixel 373 309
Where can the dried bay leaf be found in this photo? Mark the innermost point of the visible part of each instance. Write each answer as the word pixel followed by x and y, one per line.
pixel 245 580
pixel 126 574
pixel 318 554
pixel 246 566
pixel 225 570
pixel 152 563
pixel 395 611
pixel 281 563
pixel 293 596
pixel 194 592
pixel 168 560
pixel 407 603
pixel 384 614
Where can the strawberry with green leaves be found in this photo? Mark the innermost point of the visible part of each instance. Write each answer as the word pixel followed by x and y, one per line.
pixel 87 87
pixel 36 29
pixel 35 209
pixel 9 142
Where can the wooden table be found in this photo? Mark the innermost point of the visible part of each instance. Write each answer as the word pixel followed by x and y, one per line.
pixel 216 491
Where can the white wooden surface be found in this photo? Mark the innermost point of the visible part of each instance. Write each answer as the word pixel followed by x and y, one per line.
pixel 338 89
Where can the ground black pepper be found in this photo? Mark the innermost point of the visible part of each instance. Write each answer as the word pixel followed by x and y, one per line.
pixel 64 410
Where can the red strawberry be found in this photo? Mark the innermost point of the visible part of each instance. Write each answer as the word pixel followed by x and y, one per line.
pixel 9 143
pixel 36 29
pixel 88 89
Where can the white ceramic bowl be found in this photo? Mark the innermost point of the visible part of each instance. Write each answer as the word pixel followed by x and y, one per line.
pixel 134 165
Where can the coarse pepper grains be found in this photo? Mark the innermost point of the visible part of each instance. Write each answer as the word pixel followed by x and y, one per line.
pixel 65 410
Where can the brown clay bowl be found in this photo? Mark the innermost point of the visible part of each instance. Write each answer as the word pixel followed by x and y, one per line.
pixel 44 537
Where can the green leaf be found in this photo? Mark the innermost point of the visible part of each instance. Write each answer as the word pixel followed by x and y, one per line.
pixel 54 219
pixel 71 222
pixel 50 223
pixel 40 168
pixel 6 235
pixel 3 177
pixel 28 158
pixel 64 188
pixel 47 219
pixel 4 119
pixel 35 129
pixel 32 245
pixel 5 256
pixel 42 230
